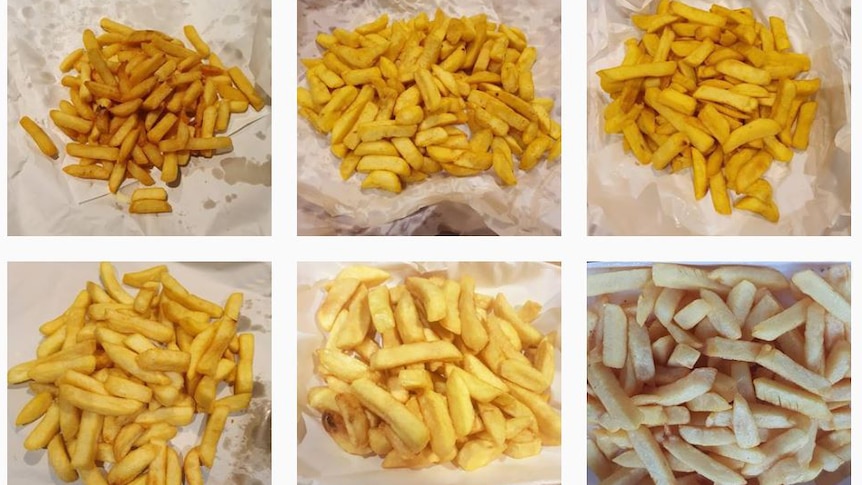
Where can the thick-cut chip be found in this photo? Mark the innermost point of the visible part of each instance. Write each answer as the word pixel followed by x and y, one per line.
pixel 651 455
pixel 676 276
pixel 820 291
pixel 778 362
pixel 744 424
pixel 702 463
pixel 410 428
pixel 785 321
pixel 792 398
pixel 640 352
pixel 406 354
pixel 702 436
pixel 696 383
pixel 606 387
pixel 337 296
pixel 720 316
pixel 615 338
pixel 732 349
pixel 759 275
pixel 617 281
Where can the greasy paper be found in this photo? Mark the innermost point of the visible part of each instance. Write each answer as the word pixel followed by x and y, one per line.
pixel 812 191
pixel 321 462
pixel 838 477
pixel 38 292
pixel 228 194
pixel 530 208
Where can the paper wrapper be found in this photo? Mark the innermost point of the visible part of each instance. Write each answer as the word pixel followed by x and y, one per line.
pixel 229 194
pixel 530 208
pixel 320 461
pixel 838 477
pixel 812 191
pixel 38 292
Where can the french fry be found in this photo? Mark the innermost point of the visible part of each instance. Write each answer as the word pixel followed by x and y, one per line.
pixel 651 455
pixel 412 353
pixel 615 337
pixel 133 464
pixel 407 426
pixel 47 428
pixel 614 399
pixel 744 72
pixel 164 360
pixel 103 405
pixel 383 179
pixel 212 433
pixel 820 291
pixel 803 125
pixel 34 409
pixel 702 463
pixel 617 281
pixel 60 461
pixel 624 73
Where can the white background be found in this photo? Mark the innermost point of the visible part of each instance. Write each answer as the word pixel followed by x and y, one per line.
pixel 284 249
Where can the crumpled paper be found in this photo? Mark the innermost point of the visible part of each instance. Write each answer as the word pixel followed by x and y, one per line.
pixel 812 192
pixel 838 477
pixel 530 208
pixel 321 462
pixel 229 194
pixel 39 292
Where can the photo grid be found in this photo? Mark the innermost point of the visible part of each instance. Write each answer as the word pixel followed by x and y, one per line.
pixel 710 140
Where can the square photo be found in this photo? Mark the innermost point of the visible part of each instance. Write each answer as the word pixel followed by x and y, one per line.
pixel 429 373
pixel 429 118
pixel 139 118
pixel 139 373
pixel 728 373
pixel 718 119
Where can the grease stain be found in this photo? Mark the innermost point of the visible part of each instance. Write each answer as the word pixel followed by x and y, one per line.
pixel 241 170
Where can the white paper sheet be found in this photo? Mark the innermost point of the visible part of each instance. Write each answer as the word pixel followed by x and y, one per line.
pixel 530 208
pixel 229 194
pixel 321 462
pixel 840 476
pixel 812 193
pixel 38 292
